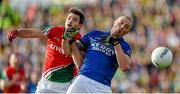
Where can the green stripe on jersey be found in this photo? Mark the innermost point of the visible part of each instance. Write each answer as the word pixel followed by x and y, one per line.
pixel 62 75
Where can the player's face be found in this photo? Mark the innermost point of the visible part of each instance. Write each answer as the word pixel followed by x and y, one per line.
pixel 72 21
pixel 14 60
pixel 121 26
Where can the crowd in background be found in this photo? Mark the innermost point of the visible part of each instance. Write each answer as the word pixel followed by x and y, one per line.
pixel 156 23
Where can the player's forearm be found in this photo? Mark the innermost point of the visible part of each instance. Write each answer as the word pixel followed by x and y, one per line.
pixel 66 47
pixel 30 33
pixel 76 55
pixel 122 59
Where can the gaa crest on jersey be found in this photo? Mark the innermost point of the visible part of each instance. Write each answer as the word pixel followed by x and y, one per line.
pixel 103 39
pixel 102 46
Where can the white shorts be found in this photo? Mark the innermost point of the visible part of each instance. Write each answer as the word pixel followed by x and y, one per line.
pixel 46 86
pixel 83 84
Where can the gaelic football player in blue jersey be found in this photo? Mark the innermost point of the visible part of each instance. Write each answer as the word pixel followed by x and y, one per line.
pixel 105 52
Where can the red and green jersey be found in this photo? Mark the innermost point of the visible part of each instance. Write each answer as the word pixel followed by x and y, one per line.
pixel 57 67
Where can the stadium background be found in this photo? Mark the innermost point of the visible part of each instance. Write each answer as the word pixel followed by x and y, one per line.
pixel 156 23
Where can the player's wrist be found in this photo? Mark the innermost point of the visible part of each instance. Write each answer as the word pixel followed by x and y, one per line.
pixel 71 41
pixel 113 40
pixel 12 35
pixel 115 43
pixel 17 31
pixel 64 36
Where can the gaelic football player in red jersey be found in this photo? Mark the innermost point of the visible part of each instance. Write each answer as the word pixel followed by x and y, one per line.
pixel 58 67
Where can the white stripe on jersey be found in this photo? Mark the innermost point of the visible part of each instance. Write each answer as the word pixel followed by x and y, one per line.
pixel 46 31
pixel 51 70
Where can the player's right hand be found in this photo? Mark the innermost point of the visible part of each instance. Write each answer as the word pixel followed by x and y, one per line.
pixel 12 35
pixel 70 33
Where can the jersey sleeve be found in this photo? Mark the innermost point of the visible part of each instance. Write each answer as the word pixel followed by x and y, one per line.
pixel 45 30
pixel 126 48
pixel 85 39
pixel 77 36
pixel 49 31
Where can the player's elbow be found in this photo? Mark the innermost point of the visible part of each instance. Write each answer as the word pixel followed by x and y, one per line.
pixel 127 64
pixel 125 69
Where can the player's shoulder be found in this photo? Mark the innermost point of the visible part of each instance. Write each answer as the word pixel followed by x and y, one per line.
pixel 52 31
pixel 56 30
pixel 57 27
pixel 51 28
pixel 124 43
pixel 125 46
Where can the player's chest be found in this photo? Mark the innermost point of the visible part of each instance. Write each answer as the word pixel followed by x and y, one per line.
pixel 54 40
pixel 100 41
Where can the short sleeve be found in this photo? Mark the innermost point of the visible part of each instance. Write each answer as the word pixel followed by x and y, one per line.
pixel 50 31
pixel 85 39
pixel 126 48
pixel 77 36
pixel 46 30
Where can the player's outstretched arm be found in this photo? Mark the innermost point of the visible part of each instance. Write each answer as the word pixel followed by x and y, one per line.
pixel 123 60
pixel 30 33
pixel 25 33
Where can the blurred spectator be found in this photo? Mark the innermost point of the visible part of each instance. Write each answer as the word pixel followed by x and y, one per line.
pixel 8 16
pixel 1 80
pixel 32 83
pixel 14 76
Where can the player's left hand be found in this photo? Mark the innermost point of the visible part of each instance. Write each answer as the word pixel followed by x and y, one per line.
pixel 12 35
pixel 70 33
pixel 113 40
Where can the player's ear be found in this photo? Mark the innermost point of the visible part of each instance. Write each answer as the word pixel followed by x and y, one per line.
pixel 79 26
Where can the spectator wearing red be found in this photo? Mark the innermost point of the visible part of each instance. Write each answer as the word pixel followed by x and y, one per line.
pixel 14 75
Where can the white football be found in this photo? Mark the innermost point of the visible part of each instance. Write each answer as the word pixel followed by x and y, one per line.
pixel 161 57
